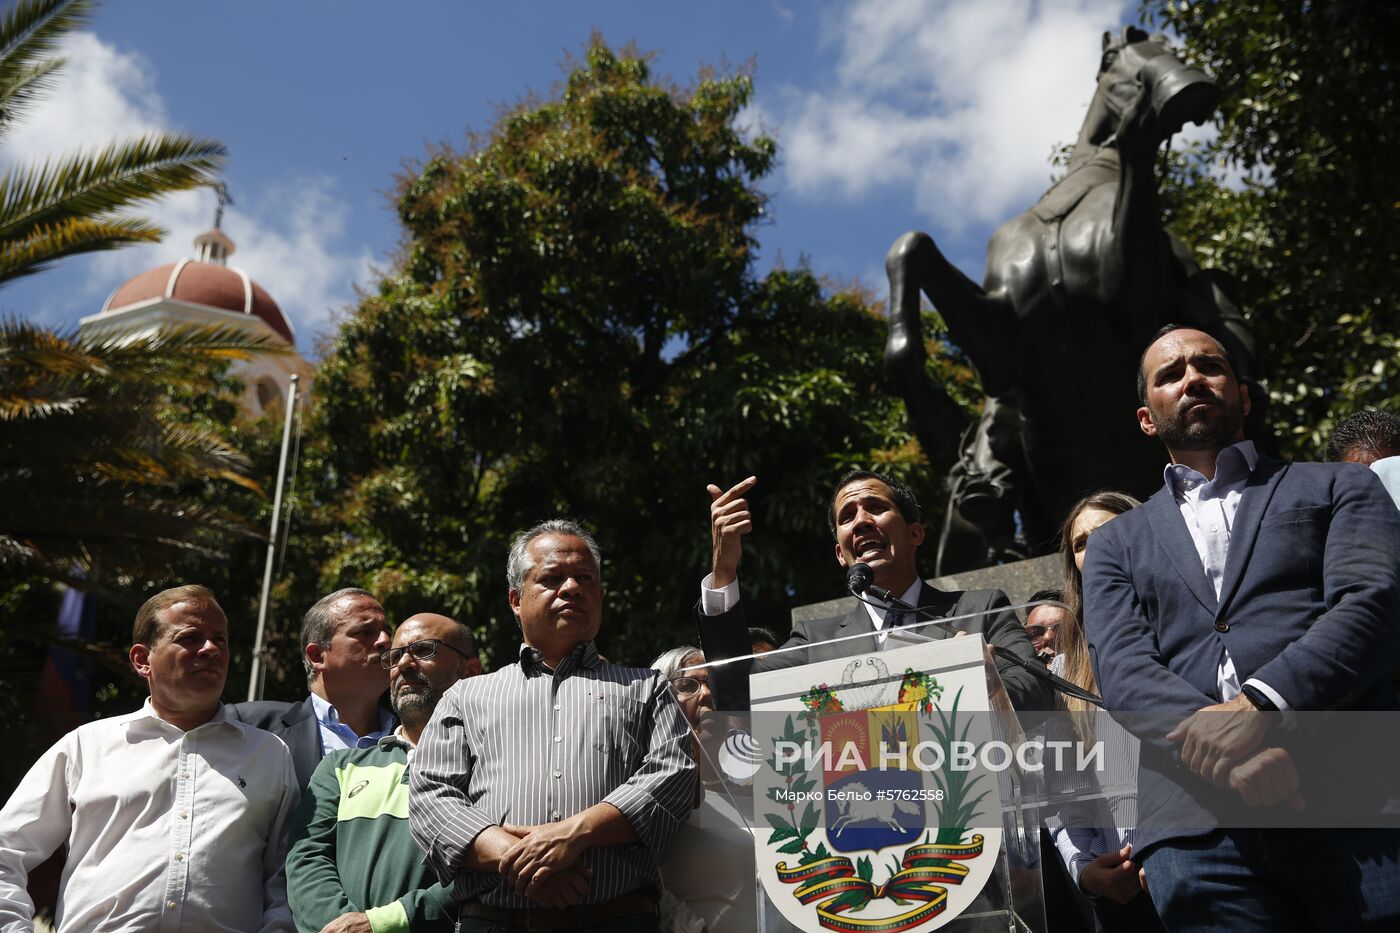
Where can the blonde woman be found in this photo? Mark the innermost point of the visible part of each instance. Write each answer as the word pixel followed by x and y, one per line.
pixel 1099 859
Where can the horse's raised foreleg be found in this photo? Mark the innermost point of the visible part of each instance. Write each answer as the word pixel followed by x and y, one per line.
pixel 915 266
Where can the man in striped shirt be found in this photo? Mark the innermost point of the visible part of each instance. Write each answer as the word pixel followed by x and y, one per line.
pixel 543 792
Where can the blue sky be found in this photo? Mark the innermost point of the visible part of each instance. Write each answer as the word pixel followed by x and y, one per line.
pixel 890 115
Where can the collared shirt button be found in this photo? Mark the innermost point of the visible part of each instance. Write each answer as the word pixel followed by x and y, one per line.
pixel 179 856
pixel 170 905
pixel 558 774
pixel 555 815
pixel 557 707
pixel 184 815
pixel 558 738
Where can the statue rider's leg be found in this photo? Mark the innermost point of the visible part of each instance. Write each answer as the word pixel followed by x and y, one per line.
pixel 983 484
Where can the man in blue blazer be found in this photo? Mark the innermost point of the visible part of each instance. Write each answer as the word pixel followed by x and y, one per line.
pixel 1244 585
pixel 342 637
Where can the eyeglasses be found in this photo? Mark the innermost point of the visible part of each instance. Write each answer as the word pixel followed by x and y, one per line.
pixel 686 686
pixel 418 651
pixel 1040 631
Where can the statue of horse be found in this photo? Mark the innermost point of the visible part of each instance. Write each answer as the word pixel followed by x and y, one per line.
pixel 1074 289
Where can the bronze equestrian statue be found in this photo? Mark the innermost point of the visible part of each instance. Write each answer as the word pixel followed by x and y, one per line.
pixel 1074 289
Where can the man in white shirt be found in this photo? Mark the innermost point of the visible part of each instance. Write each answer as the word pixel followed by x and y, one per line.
pixel 174 815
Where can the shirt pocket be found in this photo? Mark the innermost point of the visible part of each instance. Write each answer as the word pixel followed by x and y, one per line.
pixel 615 725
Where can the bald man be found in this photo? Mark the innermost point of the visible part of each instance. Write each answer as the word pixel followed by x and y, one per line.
pixel 352 864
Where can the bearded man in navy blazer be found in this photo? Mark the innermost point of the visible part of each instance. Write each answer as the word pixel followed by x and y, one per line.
pixel 1245 585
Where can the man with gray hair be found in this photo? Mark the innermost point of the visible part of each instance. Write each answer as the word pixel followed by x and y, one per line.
pixel 342 636
pixel 1371 438
pixel 589 761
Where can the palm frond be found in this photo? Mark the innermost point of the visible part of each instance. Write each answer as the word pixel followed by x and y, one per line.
pixel 41 372
pixel 13 552
pixel 24 342
pixel 47 244
pixel 108 180
pixel 188 341
pixel 31 30
pixel 194 452
pixel 20 407
pixel 17 97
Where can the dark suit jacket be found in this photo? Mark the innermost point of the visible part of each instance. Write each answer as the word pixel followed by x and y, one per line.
pixel 293 723
pixel 1309 604
pixel 727 636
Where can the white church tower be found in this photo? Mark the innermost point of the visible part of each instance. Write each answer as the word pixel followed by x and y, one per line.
pixel 207 290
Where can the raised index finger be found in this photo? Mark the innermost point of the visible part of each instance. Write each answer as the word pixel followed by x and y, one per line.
pixel 733 492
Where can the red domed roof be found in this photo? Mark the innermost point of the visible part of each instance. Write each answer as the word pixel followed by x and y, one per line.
pixel 203 283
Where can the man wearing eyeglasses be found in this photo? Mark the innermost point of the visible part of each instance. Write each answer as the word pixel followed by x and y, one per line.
pixel 1043 623
pixel 353 866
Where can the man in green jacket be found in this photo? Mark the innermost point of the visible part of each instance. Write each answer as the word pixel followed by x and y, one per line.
pixel 352 866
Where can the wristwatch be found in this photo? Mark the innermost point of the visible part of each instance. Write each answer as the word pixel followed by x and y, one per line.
pixel 1259 698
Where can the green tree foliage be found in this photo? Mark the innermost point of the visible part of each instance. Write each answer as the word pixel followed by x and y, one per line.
pixel 1310 120
pixel 576 328
pixel 97 474
pixel 122 471
pixel 103 469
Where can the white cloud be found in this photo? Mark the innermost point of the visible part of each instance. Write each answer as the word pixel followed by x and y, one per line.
pixel 290 240
pixel 100 94
pixel 962 101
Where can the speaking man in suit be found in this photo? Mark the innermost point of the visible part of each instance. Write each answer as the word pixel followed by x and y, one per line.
pixel 1245 585
pixel 342 637
pixel 875 520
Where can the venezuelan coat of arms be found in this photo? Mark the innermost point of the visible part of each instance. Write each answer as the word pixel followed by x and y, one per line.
pixel 864 821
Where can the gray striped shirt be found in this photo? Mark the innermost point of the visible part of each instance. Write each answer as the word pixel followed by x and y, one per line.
pixel 525 745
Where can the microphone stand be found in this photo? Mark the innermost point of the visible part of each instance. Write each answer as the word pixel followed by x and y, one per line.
pixel 1056 682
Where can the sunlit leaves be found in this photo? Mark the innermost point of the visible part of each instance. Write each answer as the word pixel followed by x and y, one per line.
pixel 577 329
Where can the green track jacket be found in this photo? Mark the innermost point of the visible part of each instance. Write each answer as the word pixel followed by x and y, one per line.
pixel 351 848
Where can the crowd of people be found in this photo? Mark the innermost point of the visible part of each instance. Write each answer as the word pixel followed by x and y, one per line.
pixel 561 790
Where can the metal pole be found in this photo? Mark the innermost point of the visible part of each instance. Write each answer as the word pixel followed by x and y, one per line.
pixel 255 676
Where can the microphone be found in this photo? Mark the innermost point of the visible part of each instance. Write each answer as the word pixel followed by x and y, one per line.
pixel 861 579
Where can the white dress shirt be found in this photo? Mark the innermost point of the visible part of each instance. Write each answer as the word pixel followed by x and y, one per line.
pixel 166 829
pixel 1209 508
pixel 1388 469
